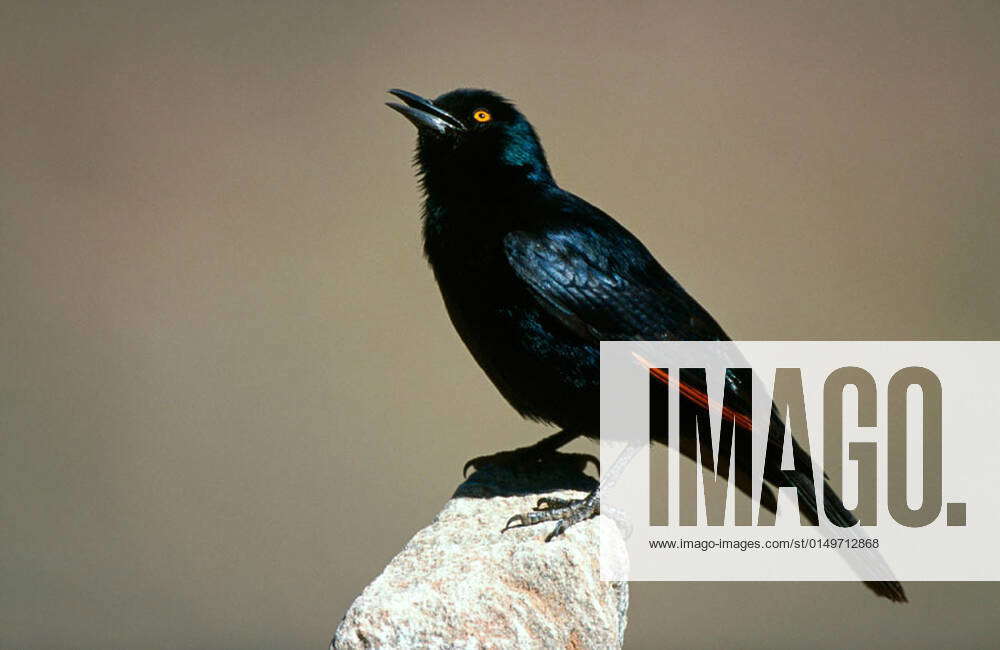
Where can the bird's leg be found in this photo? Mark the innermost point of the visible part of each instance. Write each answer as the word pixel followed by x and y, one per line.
pixel 533 455
pixel 565 512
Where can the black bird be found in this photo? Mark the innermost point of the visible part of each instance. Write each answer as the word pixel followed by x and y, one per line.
pixel 534 277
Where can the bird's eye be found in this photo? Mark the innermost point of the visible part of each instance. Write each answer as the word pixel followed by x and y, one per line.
pixel 482 116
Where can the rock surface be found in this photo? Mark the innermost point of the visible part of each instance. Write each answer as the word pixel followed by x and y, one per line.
pixel 460 583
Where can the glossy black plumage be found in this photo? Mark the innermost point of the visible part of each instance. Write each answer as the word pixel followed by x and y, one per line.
pixel 534 277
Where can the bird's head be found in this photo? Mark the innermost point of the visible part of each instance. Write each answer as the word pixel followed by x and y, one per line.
pixel 473 137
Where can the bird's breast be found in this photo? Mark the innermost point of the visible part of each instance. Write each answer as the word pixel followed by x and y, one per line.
pixel 538 366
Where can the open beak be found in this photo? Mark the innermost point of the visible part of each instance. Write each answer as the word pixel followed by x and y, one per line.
pixel 424 114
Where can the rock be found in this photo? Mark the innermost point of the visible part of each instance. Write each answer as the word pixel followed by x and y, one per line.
pixel 460 583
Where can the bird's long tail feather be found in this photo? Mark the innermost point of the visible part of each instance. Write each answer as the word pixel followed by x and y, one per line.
pixel 864 560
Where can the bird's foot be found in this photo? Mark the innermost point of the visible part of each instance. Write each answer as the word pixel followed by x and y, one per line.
pixel 527 459
pixel 565 512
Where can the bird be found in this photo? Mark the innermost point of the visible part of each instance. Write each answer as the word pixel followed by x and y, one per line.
pixel 534 277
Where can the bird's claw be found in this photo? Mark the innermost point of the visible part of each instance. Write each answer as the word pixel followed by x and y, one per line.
pixel 547 503
pixel 510 523
pixel 565 512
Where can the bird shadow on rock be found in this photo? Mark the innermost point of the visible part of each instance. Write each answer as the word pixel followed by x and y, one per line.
pixel 557 472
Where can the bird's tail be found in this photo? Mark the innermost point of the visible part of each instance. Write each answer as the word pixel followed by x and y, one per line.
pixel 864 560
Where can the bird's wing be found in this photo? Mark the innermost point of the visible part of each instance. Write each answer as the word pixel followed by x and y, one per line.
pixel 602 284
pixel 606 286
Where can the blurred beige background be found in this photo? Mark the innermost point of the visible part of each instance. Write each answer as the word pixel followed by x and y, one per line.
pixel 229 392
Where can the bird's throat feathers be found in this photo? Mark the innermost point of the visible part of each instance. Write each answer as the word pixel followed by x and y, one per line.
pixel 485 170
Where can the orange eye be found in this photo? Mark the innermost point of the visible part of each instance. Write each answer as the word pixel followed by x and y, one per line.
pixel 482 116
